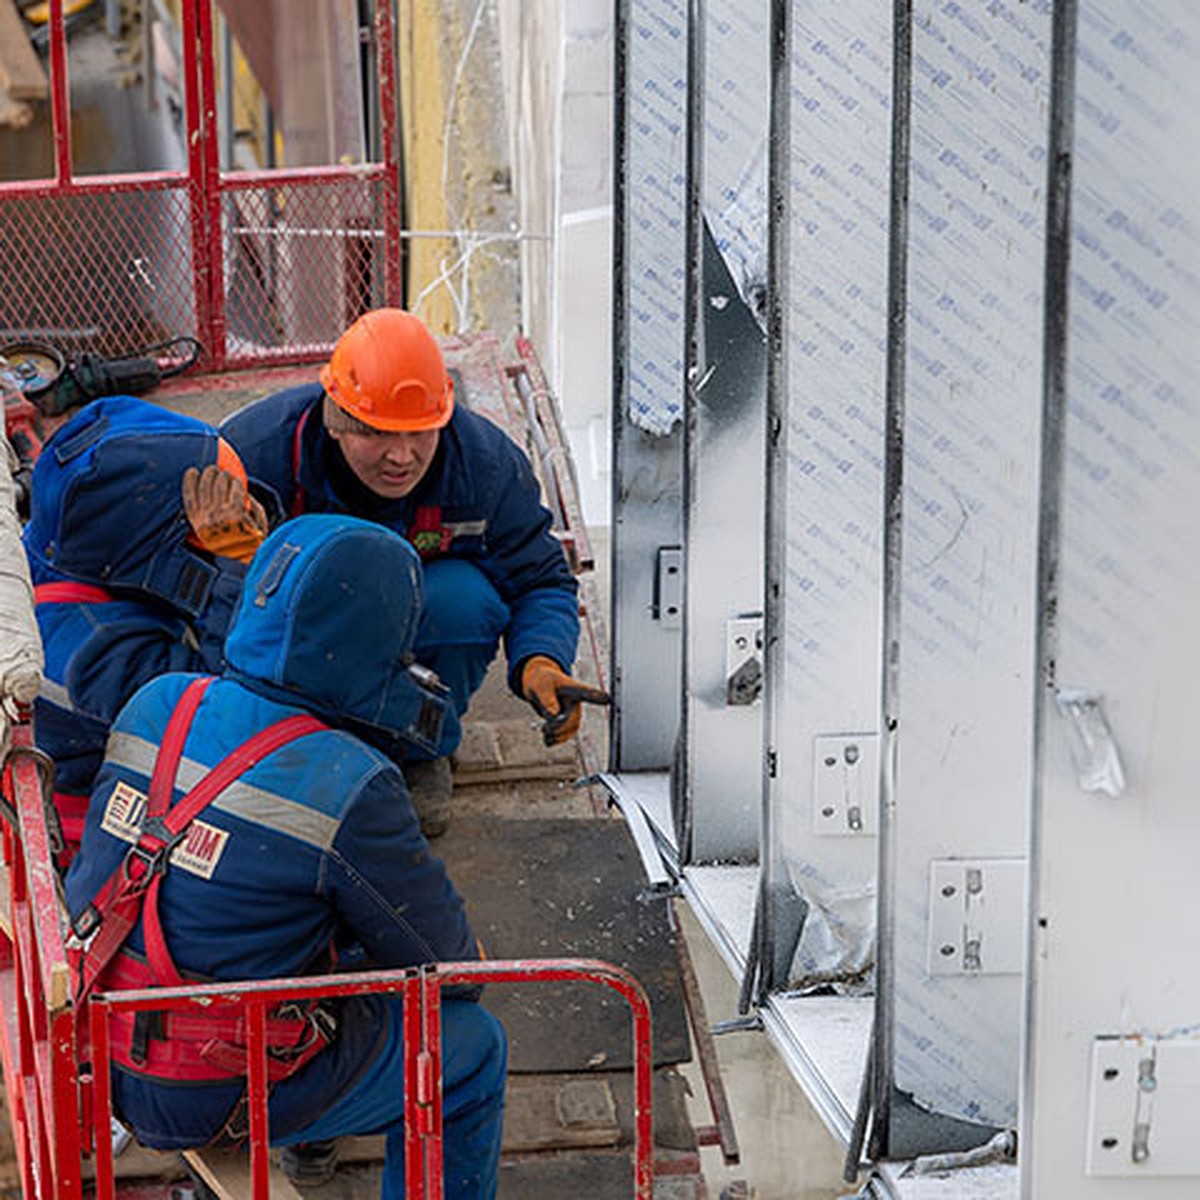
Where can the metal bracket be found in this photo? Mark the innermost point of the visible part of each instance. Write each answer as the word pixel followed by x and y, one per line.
pixel 976 916
pixel 743 659
pixel 845 783
pixel 668 586
pixel 1142 1114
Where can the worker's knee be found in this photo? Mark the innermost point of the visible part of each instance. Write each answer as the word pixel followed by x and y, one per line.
pixel 474 1052
pixel 459 605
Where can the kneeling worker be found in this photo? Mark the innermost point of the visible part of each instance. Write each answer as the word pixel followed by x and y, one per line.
pixel 381 437
pixel 295 834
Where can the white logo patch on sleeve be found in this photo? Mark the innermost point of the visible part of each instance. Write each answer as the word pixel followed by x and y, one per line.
pixel 198 853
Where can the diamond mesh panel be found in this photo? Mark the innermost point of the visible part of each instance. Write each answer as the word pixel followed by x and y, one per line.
pixel 302 260
pixel 105 272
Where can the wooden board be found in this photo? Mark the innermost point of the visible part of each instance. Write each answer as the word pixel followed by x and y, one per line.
pixel 21 72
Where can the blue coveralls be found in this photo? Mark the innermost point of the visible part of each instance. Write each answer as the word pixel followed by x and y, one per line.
pixel 322 848
pixel 493 569
pixel 121 596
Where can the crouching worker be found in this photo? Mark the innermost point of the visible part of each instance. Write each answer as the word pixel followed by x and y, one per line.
pixel 294 834
pixel 137 541
pixel 382 437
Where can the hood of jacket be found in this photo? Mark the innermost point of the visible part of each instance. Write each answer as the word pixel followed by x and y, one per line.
pixel 328 617
pixel 106 506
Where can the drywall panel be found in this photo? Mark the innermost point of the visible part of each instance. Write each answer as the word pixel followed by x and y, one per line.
pixel 724 493
pixel 825 544
pixel 1116 975
pixel 648 354
pixel 966 622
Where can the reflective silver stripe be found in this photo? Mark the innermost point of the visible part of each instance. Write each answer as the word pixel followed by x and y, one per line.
pixel 466 528
pixel 253 804
pixel 56 694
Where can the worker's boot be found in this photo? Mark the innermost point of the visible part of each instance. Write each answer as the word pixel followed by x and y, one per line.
pixel 430 785
pixel 310 1164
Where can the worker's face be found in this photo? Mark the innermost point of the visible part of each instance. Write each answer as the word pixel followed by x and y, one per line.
pixel 390 464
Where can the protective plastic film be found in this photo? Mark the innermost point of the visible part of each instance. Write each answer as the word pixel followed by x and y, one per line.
pixel 972 404
pixel 655 192
pixel 1117 884
pixel 835 296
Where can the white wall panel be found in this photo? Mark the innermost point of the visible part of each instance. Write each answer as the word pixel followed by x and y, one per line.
pixel 972 403
pixel 835 330
pixel 1117 882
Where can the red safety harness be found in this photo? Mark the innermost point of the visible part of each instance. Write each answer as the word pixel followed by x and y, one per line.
pixel 299 496
pixel 174 1045
pixel 71 808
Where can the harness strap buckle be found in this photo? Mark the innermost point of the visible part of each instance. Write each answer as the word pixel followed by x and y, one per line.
pixel 152 850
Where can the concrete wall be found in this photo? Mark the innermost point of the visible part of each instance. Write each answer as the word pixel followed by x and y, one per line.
pixel 557 64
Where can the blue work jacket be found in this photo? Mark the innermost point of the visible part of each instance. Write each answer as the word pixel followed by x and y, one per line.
pixel 478 501
pixel 121 596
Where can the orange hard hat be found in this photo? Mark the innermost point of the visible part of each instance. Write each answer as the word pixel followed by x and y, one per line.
pixel 388 372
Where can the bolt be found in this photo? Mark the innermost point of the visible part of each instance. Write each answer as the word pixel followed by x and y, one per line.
pixel 947 950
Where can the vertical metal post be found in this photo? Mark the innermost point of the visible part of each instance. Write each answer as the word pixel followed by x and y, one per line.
pixel 210 167
pixel 101 1099
pixel 775 511
pixel 693 337
pixel 200 204
pixel 385 49
pixel 256 1094
pixel 883 1036
pixel 431 1073
pixel 1056 314
pixel 60 95
pixel 414 1087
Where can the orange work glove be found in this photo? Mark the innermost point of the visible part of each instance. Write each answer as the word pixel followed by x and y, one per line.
pixel 225 519
pixel 556 697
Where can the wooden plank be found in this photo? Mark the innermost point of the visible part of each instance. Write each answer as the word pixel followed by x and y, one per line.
pixel 21 72
pixel 5 910
pixel 227 1172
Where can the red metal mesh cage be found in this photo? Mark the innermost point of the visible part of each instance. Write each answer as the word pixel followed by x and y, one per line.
pixel 106 272
pixel 302 259
pixel 261 266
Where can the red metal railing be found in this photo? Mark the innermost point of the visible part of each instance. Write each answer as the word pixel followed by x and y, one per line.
pixel 37 1025
pixel 262 267
pixel 420 989
pixel 60 1115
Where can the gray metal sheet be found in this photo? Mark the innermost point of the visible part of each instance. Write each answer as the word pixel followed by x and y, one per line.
pixel 967 625
pixel 835 322
pixel 724 547
pixel 1117 885
pixel 734 186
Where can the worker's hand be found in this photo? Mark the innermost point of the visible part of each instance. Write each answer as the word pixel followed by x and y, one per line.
pixel 556 698
pixel 225 518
